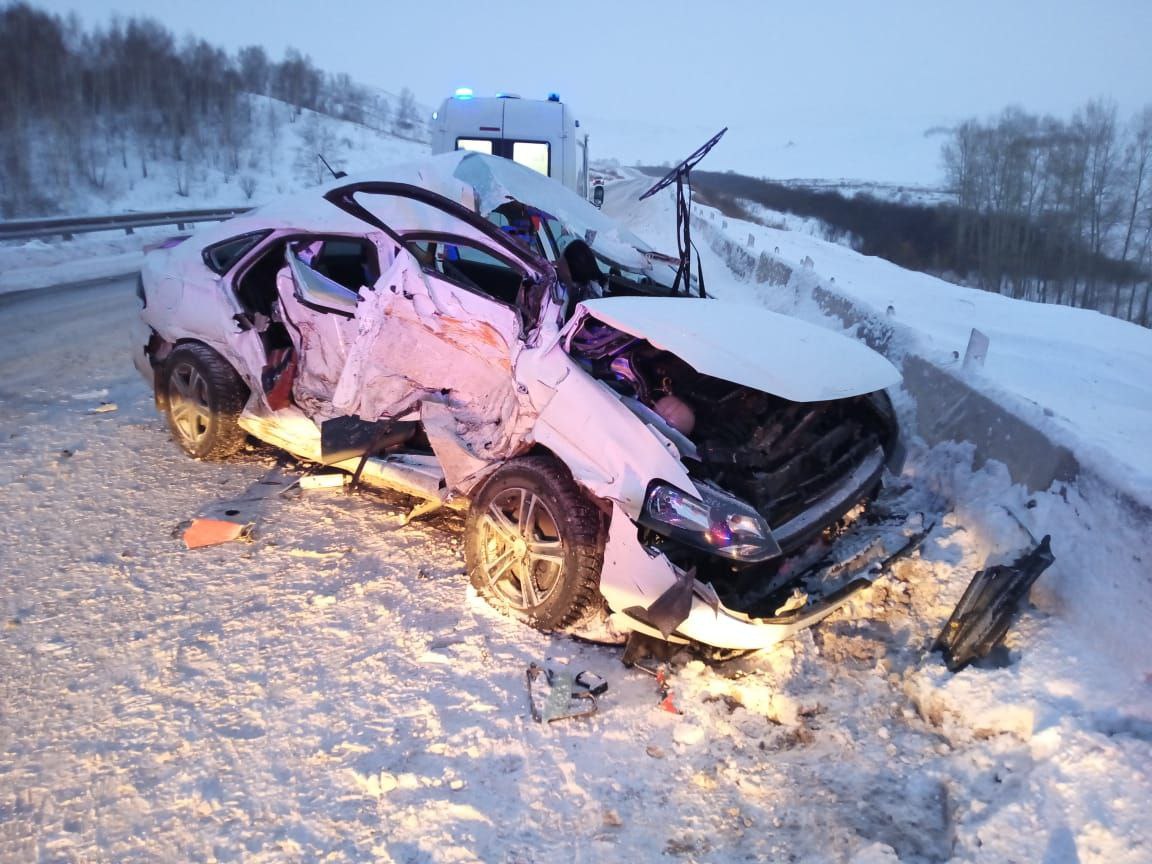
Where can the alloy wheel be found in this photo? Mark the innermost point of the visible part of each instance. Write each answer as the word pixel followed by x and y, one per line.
pixel 522 551
pixel 188 404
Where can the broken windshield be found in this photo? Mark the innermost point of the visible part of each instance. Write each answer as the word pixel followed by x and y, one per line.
pixel 498 180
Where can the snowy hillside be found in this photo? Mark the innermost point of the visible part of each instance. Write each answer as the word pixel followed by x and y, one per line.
pixel 278 156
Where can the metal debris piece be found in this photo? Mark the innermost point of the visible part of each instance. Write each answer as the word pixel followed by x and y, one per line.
pixel 236 518
pixel 212 532
pixel 591 682
pixel 324 481
pixel 423 508
pixel 562 698
pixel 667 697
pixel 989 604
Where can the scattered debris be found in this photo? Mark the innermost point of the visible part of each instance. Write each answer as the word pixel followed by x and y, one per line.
pixel 104 408
pixel 235 518
pixel 641 647
pixel 986 610
pixel 562 702
pixel 324 481
pixel 667 697
pixel 592 682
pixel 212 532
pixel 977 350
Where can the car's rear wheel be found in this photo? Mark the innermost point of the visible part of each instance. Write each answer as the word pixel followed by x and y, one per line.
pixel 534 544
pixel 205 396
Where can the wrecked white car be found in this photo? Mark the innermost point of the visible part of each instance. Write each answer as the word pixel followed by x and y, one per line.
pixel 670 462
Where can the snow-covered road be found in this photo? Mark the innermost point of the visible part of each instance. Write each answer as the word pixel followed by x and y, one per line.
pixel 332 691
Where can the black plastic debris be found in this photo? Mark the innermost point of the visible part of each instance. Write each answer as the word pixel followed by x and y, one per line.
pixel 989 605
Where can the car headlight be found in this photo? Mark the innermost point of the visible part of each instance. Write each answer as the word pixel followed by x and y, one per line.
pixel 717 523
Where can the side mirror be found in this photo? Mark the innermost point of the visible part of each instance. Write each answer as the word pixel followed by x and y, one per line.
pixel 598 196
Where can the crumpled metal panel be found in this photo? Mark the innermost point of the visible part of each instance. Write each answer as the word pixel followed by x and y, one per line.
pixel 321 340
pixel 418 334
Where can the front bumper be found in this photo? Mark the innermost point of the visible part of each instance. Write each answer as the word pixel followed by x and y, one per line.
pixel 635 577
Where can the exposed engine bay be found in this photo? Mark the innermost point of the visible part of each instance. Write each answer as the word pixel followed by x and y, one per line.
pixel 804 466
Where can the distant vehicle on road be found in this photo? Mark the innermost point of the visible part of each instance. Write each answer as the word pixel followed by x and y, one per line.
pixel 539 133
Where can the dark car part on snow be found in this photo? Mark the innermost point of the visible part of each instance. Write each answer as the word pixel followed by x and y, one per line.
pixel 591 682
pixel 563 700
pixel 989 604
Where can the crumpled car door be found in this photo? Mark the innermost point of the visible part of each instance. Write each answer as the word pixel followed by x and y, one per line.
pixel 319 317
pixel 423 338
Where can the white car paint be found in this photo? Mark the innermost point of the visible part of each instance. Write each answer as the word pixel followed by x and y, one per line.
pixel 751 346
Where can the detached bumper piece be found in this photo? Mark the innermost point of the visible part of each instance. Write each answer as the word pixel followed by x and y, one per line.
pixel 989 605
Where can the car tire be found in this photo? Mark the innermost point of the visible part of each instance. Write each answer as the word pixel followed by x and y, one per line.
pixel 534 544
pixel 205 396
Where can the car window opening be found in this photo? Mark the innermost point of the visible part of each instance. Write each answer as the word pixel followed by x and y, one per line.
pixel 350 262
pixel 477 145
pixel 220 257
pixel 469 266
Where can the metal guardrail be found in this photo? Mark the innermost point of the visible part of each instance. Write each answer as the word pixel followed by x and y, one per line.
pixel 68 227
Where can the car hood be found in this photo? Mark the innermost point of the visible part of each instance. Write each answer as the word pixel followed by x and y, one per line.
pixel 749 345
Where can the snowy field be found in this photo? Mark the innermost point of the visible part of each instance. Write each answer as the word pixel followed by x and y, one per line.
pixel 333 691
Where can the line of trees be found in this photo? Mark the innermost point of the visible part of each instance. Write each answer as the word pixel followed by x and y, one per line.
pixel 1058 210
pixel 916 236
pixel 74 102
pixel 1051 210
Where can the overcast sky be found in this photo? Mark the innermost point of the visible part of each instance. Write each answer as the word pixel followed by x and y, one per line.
pixel 808 88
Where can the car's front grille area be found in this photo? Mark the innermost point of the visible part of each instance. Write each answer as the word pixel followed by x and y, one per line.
pixel 784 457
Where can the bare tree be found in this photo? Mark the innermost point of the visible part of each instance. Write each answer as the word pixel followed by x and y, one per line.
pixel 406 118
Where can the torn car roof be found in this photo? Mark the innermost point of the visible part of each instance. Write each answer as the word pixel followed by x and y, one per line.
pixel 479 182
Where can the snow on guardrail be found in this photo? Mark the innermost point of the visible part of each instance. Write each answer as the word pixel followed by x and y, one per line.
pixel 69 226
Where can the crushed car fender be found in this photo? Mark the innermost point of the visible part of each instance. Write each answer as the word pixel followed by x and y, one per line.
pixel 616 464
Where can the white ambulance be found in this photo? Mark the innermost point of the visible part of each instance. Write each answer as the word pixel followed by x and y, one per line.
pixel 539 133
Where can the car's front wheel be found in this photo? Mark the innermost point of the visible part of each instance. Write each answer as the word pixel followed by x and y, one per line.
pixel 205 396
pixel 534 543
